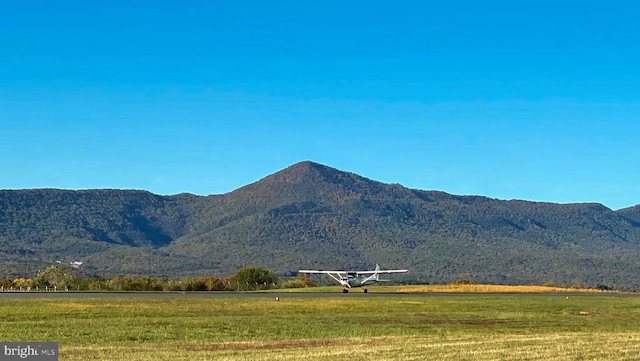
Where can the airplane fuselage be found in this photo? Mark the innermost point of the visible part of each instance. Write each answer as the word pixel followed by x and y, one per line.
pixel 353 280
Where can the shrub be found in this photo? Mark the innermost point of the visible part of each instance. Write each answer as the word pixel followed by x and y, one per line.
pixel 461 281
pixel 250 278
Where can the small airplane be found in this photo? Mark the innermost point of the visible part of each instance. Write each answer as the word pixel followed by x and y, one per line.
pixel 349 279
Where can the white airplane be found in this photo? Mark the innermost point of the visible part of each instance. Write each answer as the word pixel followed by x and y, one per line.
pixel 349 279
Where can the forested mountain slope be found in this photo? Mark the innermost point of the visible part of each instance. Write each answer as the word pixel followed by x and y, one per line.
pixel 310 215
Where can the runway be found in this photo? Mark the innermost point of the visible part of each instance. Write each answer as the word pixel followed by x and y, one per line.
pixel 284 295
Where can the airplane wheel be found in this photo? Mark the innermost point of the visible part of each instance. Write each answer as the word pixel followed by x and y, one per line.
pixel 366 290
pixel 345 291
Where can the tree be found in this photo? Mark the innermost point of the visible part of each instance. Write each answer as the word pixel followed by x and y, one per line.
pixel 253 278
pixel 23 283
pixel 55 276
pixel 6 283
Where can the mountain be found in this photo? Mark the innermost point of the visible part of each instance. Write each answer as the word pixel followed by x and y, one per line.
pixel 313 216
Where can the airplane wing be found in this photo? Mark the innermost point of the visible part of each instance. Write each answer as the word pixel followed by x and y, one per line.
pixel 359 273
pixel 382 272
pixel 321 271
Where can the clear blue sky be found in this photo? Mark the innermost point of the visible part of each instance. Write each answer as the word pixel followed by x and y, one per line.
pixel 531 100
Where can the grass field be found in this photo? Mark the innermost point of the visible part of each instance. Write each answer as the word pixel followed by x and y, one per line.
pixel 341 327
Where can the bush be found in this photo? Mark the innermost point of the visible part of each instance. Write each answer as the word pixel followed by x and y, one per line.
pixel 604 287
pixel 252 278
pixel 301 281
pixel 461 281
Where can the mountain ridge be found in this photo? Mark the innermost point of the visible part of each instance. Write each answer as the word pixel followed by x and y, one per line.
pixel 311 215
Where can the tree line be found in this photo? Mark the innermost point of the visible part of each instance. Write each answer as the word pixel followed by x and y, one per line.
pixel 56 278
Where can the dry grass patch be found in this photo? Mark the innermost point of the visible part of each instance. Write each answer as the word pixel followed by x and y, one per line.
pixel 472 288
pixel 270 345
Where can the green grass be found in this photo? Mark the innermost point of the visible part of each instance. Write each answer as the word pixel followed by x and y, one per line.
pixel 185 327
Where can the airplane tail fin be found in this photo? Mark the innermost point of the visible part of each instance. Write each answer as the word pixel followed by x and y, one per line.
pixel 375 277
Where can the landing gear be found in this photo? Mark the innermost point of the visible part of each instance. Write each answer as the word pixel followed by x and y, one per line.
pixel 345 290
pixel 365 290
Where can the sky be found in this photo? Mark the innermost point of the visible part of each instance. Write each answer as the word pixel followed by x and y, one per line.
pixel 534 100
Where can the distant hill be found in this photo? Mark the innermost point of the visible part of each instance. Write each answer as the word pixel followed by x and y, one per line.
pixel 313 216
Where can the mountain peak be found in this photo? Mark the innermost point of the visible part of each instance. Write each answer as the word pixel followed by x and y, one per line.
pixel 306 167
pixel 305 174
pixel 314 174
pixel 308 181
pixel 306 163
